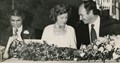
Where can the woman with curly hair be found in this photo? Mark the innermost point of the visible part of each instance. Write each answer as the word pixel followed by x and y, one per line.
pixel 59 33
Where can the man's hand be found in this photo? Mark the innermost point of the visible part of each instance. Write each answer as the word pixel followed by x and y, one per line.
pixel 5 55
pixel 14 37
pixel 11 39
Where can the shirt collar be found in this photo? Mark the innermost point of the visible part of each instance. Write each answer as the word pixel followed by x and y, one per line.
pixel 20 28
pixel 96 21
pixel 96 26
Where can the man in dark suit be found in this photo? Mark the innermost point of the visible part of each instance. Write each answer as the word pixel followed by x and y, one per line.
pixel 90 15
pixel 16 24
pixel 16 31
pixel 26 33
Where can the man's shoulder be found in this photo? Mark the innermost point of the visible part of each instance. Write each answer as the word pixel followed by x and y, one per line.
pixel 110 26
pixel 80 24
pixel 108 21
pixel 8 30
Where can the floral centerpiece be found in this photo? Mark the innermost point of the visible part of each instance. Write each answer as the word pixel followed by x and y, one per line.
pixel 103 48
pixel 38 51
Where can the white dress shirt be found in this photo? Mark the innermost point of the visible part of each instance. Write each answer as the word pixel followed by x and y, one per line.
pixel 18 32
pixel 96 27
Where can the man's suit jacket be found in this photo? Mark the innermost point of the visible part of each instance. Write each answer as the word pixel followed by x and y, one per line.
pixel 9 32
pixel 107 27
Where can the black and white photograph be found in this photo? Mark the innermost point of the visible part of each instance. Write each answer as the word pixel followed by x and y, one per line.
pixel 59 31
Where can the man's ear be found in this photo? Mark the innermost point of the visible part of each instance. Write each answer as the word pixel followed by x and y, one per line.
pixel 91 12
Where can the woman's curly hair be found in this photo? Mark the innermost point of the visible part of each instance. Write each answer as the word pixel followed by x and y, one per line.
pixel 58 10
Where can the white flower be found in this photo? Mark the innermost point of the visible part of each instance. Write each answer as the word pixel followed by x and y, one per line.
pixel 101 49
pixel 118 36
pixel 108 47
pixel 95 47
pixel 113 37
pixel 115 56
pixel 26 32
pixel 117 43
pixel 84 46
pixel 98 43
pixel 75 59
pixel 103 39
pixel 82 54
pixel 112 43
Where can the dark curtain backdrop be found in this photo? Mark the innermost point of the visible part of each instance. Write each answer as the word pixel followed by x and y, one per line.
pixel 41 14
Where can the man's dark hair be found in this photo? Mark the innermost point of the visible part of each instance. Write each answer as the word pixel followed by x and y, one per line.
pixel 91 5
pixel 16 12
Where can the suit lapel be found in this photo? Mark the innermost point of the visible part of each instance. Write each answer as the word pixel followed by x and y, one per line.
pixel 9 31
pixel 85 34
pixel 22 33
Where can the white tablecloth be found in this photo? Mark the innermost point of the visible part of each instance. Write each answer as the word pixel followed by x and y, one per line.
pixel 15 60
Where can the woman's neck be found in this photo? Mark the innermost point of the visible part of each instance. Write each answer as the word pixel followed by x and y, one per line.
pixel 59 29
pixel 60 26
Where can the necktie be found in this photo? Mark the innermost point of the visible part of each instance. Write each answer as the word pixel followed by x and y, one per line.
pixel 15 32
pixel 93 33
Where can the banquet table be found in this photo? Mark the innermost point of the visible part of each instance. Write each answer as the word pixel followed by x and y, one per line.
pixel 15 60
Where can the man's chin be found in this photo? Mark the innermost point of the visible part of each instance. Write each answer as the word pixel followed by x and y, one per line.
pixel 84 22
pixel 16 27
